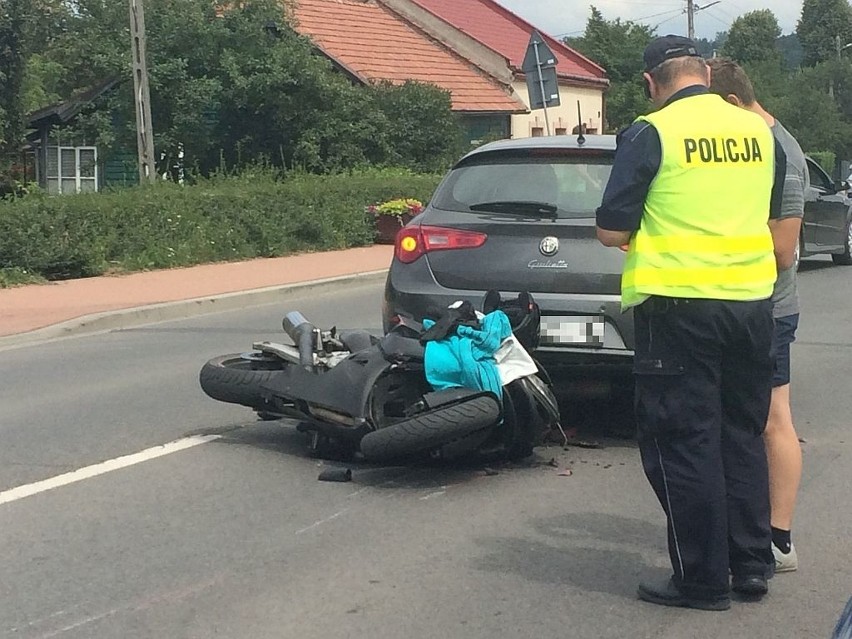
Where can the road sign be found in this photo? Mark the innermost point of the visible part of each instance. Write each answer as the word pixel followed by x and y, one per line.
pixel 539 67
pixel 543 90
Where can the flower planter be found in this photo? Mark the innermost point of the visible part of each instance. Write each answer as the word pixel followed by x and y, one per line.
pixel 387 226
pixel 390 216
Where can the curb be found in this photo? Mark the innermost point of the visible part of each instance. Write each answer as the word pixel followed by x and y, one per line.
pixel 180 309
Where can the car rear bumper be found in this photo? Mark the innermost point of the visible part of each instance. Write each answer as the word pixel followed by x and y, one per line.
pixel 412 290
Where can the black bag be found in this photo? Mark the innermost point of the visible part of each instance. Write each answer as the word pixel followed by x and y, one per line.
pixel 524 316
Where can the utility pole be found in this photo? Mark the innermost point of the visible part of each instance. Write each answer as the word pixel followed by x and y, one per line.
pixel 690 17
pixel 141 94
pixel 691 10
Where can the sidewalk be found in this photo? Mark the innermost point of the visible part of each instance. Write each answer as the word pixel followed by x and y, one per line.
pixel 70 306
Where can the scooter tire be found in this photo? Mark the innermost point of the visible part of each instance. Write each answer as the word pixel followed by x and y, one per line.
pixel 231 379
pixel 431 429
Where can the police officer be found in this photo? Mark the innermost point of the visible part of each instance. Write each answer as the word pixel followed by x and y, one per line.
pixel 691 191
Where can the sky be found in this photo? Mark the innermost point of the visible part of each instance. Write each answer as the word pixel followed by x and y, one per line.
pixel 568 17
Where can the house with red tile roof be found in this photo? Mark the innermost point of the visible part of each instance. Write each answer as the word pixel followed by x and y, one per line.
pixel 472 48
pixel 502 32
pixel 370 42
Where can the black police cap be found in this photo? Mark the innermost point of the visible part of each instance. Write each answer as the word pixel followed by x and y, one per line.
pixel 669 47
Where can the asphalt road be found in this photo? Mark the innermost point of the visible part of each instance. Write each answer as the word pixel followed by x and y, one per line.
pixel 237 538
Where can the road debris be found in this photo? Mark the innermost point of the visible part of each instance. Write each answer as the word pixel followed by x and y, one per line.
pixel 565 473
pixel 582 443
pixel 336 474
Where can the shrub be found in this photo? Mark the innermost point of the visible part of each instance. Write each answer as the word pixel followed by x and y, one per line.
pixel 826 159
pixel 223 218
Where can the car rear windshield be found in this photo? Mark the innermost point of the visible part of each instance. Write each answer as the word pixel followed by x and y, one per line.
pixel 573 184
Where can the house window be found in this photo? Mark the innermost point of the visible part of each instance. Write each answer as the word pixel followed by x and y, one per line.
pixel 537 131
pixel 561 131
pixel 72 169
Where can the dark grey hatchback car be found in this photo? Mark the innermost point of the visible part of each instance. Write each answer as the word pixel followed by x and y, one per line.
pixel 519 215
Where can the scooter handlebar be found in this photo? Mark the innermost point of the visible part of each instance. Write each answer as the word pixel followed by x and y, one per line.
pixel 302 332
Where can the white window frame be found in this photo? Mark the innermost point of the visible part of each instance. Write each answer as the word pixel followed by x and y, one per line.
pixel 78 179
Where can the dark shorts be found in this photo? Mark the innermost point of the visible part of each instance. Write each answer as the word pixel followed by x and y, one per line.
pixel 784 335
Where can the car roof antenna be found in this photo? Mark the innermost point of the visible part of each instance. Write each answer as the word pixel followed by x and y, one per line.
pixel 581 137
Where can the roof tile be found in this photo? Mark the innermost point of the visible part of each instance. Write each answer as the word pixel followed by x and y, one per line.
pixel 377 44
pixel 508 34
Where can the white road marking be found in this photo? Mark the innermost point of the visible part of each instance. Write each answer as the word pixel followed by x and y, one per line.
pixel 321 522
pixel 27 490
pixel 437 493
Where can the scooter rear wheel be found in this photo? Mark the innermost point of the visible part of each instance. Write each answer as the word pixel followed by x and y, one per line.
pixel 431 429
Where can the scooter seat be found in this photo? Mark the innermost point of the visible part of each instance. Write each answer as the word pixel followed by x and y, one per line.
pixel 397 348
pixel 357 340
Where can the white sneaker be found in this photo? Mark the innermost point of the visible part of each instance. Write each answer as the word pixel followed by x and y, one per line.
pixel 785 563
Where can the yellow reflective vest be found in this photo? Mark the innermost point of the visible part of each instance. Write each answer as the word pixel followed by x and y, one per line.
pixel 704 231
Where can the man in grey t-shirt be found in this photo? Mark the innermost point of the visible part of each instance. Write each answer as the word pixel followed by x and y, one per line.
pixel 782 443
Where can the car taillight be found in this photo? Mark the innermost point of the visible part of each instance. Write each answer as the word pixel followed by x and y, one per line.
pixel 414 241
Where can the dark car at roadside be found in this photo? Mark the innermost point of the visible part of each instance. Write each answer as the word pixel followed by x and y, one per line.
pixel 519 215
pixel 827 226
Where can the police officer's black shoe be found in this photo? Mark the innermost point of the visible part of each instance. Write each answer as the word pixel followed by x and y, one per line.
pixel 749 586
pixel 666 593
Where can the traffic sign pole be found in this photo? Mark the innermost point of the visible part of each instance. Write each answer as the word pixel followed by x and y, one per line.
pixel 541 84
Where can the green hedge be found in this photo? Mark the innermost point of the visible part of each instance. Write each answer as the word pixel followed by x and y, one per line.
pixel 826 159
pixel 166 225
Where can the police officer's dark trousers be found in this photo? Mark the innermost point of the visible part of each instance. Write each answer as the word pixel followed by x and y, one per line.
pixel 703 385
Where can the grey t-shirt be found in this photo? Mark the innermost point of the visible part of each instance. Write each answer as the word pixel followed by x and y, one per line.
pixel 785 297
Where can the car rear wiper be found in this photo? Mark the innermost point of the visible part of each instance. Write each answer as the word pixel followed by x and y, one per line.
pixel 521 207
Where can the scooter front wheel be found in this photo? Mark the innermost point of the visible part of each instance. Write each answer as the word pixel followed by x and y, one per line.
pixel 428 430
pixel 238 378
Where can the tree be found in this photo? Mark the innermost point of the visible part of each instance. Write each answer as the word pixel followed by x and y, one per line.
pixel 232 85
pixel 791 51
pixel 818 122
pixel 708 48
pixel 753 37
pixel 422 131
pixel 14 16
pixel 617 46
pixel 822 22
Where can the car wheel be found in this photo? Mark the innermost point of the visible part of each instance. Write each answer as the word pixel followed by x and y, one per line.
pixel 845 258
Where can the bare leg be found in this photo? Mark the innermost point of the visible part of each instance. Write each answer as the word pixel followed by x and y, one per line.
pixel 784 454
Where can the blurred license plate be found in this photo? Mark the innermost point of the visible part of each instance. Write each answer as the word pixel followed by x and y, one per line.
pixel 567 330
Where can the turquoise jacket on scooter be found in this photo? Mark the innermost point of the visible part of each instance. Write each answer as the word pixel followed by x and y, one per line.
pixel 466 359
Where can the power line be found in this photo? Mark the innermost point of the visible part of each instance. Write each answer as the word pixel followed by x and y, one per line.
pixel 633 2
pixel 662 13
pixel 730 16
pixel 666 20
pixel 636 20
pixel 718 19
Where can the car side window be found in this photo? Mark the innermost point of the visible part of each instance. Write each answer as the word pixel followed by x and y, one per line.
pixel 819 178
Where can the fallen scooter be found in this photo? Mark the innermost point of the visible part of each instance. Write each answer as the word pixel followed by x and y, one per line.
pixel 353 392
